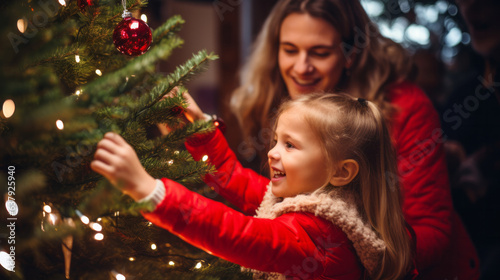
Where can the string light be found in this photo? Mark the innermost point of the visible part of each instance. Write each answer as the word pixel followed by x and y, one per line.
pixel 170 162
pixel 77 58
pixel 150 224
pixel 171 263
pixel 198 265
pixel 153 246
pixel 99 236
pixel 98 72
pixel 83 218
pixel 204 158
pixel 47 208
pixel 131 259
pixel 95 226
pixel 99 219
pixel 144 18
pixel 78 92
pixel 6 261
pixel 22 25
pixel 118 276
pixel 8 108
pixel 60 124
pixel 53 219
pixel 62 2
pixel 11 207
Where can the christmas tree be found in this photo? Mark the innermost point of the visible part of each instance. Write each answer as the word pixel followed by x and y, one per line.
pixel 64 85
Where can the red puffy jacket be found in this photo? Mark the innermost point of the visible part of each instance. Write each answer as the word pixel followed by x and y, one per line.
pixel 444 249
pixel 297 244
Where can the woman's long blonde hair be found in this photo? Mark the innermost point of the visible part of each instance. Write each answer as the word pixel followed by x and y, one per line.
pixel 355 129
pixel 377 61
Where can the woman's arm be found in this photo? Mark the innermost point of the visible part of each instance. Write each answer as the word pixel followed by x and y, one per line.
pixel 423 174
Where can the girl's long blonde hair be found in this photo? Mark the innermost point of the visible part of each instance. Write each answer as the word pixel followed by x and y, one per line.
pixel 377 61
pixel 350 128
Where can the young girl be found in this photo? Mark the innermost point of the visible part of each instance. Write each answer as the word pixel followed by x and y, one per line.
pixel 331 210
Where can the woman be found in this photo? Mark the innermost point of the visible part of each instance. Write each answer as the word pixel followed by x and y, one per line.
pixel 328 45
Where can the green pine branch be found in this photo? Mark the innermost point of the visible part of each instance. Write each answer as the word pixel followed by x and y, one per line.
pixel 103 87
pixel 41 74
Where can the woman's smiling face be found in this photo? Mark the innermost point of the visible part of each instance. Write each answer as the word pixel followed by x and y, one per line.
pixel 310 56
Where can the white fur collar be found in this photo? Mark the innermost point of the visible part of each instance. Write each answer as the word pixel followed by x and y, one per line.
pixel 336 206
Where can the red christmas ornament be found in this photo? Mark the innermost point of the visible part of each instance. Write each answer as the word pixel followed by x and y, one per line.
pixel 83 4
pixel 132 36
pixel 177 111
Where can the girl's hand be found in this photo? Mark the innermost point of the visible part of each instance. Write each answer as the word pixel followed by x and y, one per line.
pixel 116 160
pixel 192 112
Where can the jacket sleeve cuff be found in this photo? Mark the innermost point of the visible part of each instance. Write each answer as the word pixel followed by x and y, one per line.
pixel 202 139
pixel 157 195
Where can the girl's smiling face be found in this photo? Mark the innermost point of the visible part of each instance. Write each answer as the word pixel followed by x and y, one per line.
pixel 310 57
pixel 297 161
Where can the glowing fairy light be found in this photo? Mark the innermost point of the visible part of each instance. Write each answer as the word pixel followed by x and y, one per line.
pixel 52 219
pixel 99 236
pixel 144 18
pixel 150 224
pixel 95 226
pixel 204 158
pixel 22 25
pixel 83 218
pixel 98 72
pixel 62 2
pixel 99 219
pixel 198 265
pixel 11 207
pixel 131 259
pixel 118 276
pixel 47 208
pixel 60 124
pixel 170 162
pixel 171 263
pixel 6 261
pixel 8 108
pixel 153 246
pixel 78 92
pixel 77 58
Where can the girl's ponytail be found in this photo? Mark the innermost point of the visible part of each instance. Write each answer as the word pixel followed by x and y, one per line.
pixel 382 199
